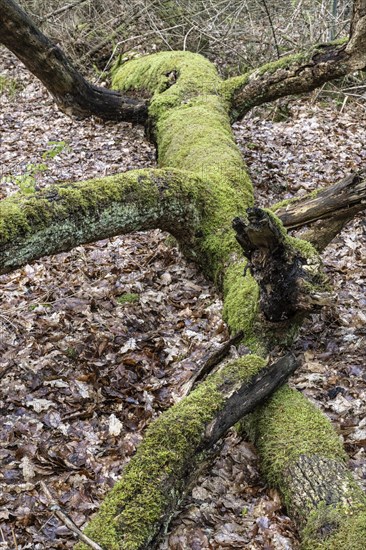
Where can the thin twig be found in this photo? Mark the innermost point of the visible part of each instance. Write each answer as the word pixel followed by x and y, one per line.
pixel 14 538
pixel 210 361
pixel 55 508
pixel 272 28
pixel 62 9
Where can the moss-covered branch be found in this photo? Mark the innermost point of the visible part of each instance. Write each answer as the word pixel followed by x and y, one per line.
pixel 63 216
pixel 301 72
pixel 290 75
pixel 140 504
pixel 302 455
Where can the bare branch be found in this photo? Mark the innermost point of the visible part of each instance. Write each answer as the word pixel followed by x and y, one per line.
pixel 72 93
pixel 326 214
pixel 66 520
pixel 301 73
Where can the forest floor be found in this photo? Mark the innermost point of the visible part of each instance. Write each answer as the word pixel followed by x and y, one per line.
pixel 95 343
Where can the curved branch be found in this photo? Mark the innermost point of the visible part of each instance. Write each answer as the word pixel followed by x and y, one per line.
pixel 72 93
pixel 300 73
pixel 294 74
pixel 63 216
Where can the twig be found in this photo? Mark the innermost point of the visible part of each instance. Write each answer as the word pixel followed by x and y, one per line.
pixel 272 28
pixel 14 538
pixel 67 521
pixel 62 9
pixel 210 361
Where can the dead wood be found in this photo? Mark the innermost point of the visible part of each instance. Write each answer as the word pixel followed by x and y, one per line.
pixel 72 93
pixel 326 213
pixel 287 270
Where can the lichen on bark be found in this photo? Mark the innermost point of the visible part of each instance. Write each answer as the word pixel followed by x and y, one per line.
pixel 200 186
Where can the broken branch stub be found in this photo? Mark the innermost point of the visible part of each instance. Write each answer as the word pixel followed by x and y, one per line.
pixel 287 270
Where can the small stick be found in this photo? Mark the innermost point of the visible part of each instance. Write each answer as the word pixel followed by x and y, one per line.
pixel 210 361
pixel 67 521
pixel 14 538
pixel 62 9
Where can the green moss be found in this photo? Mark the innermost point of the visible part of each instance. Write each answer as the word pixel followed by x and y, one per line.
pixel 20 214
pixel 9 86
pixel 128 298
pixel 236 83
pixel 231 85
pixel 290 426
pixel 338 42
pixel 128 516
pixel 241 300
pixel 283 63
pixel 288 61
pixel 348 521
pixel 153 73
pixel 192 130
pixel 305 248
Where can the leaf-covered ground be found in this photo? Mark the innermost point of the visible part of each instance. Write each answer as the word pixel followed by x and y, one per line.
pixel 97 342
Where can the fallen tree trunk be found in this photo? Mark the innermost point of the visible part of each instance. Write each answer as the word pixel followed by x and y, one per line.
pixel 303 457
pixel 189 122
pixel 140 505
pixel 190 126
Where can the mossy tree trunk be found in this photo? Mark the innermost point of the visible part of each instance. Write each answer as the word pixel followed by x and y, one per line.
pixel 200 187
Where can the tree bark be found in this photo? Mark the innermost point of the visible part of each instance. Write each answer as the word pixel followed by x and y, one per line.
pixel 141 504
pixel 72 93
pixel 325 214
pixel 189 122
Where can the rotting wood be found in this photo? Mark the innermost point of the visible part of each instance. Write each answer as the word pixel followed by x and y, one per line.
pixel 289 277
pixel 326 213
pixel 189 122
